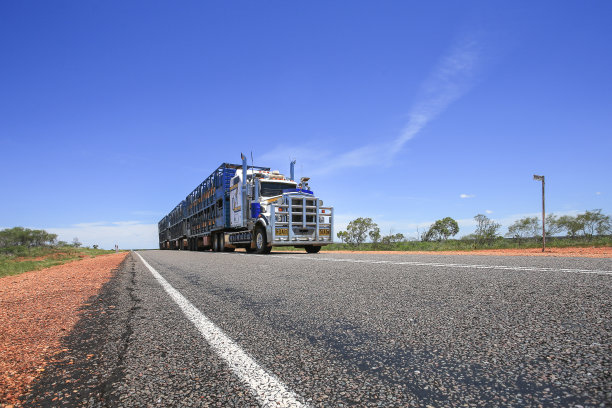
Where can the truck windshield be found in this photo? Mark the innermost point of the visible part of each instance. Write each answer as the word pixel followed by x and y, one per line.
pixel 269 189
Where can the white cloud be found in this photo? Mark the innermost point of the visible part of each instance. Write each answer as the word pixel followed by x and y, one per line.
pixel 467 195
pixel 598 193
pixel 126 234
pixel 489 211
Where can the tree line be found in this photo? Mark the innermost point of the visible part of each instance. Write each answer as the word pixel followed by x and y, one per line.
pixel 19 237
pixel 585 225
pixel 26 237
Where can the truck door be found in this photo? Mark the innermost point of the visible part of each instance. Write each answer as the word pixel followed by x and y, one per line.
pixel 236 202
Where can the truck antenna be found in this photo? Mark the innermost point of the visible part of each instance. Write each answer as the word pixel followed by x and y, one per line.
pixel 252 163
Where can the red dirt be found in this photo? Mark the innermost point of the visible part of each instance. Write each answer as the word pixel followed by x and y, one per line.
pixel 37 309
pixel 27 258
pixel 592 252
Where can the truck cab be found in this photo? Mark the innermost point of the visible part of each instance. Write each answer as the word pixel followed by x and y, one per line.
pixel 279 212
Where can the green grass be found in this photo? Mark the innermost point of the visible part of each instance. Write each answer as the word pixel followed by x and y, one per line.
pixel 468 245
pixel 21 259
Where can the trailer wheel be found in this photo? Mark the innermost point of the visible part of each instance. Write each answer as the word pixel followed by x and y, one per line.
pixel 215 244
pixel 311 249
pixel 261 244
pixel 221 242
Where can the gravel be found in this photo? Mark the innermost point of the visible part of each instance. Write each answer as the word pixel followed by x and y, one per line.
pixel 38 309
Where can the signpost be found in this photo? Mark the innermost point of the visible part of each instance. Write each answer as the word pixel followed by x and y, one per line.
pixel 541 178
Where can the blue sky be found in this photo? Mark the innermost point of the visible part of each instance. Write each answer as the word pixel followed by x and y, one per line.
pixel 406 112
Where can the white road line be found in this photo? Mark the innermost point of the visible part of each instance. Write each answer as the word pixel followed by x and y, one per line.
pixel 444 265
pixel 268 390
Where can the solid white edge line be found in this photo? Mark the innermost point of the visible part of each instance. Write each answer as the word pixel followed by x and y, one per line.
pixel 452 265
pixel 268 390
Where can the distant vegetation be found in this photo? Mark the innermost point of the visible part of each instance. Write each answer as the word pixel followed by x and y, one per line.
pixel 23 249
pixel 592 228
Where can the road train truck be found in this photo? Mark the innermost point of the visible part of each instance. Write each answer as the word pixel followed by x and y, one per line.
pixel 251 207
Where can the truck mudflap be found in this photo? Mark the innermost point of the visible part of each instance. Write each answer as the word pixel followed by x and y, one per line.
pixel 301 221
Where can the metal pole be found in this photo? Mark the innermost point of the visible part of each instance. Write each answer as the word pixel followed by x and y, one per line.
pixel 543 219
pixel 541 178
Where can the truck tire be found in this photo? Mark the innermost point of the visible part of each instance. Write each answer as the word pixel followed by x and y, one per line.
pixel 261 243
pixel 311 249
pixel 220 242
pixel 215 243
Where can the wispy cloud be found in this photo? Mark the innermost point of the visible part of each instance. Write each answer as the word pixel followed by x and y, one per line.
pixel 467 195
pixel 451 78
pixel 489 211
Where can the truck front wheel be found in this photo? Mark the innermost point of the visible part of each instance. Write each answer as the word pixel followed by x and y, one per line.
pixel 311 249
pixel 261 244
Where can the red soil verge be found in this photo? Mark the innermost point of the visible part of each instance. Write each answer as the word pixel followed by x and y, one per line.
pixel 600 252
pixel 37 309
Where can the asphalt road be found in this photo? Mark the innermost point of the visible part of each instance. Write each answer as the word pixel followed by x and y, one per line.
pixel 344 330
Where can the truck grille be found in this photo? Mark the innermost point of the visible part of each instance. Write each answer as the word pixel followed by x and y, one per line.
pixel 302 208
pixel 299 219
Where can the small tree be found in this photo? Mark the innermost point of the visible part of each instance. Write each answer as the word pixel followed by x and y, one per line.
pixel 428 235
pixel 95 246
pixel 486 230
pixel 524 228
pixel 374 234
pixel 552 225
pixel 605 226
pixel 570 224
pixel 358 230
pixel 392 238
pixel 593 222
pixel 343 235
pixel 444 228
pixel 75 242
